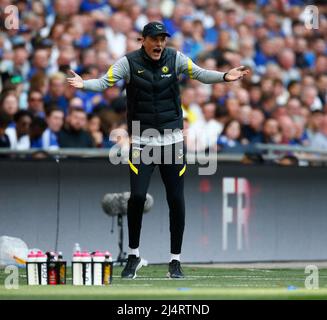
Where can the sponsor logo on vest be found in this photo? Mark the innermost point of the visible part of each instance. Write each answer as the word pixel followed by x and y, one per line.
pixel 165 69
pixel 140 71
pixel 166 75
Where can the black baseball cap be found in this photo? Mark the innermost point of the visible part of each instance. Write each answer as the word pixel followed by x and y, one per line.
pixel 154 28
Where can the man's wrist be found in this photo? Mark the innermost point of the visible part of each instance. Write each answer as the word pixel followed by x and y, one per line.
pixel 224 77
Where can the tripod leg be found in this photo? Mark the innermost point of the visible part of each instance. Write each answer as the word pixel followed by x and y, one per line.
pixel 122 254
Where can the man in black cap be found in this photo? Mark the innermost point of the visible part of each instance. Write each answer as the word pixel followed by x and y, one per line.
pixel 155 123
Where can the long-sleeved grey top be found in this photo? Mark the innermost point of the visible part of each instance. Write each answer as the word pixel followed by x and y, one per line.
pixel 184 65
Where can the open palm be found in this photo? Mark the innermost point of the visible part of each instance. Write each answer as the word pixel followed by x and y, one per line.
pixel 76 81
pixel 237 73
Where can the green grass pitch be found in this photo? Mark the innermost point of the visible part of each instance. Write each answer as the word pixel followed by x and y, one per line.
pixel 200 283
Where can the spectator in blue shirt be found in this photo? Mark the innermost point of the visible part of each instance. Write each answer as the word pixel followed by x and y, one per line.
pixel 90 98
pixel 55 121
pixel 40 62
pixel 90 5
pixel 211 34
pixel 173 24
pixel 191 42
pixel 230 138
pixel 37 128
pixel 303 57
pixel 36 103
pixel 253 131
pixel 271 21
pixel 56 92
pixel 265 53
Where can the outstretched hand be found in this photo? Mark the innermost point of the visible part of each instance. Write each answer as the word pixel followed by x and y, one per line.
pixel 237 73
pixel 75 81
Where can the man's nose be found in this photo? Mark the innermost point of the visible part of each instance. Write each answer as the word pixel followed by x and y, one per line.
pixel 159 42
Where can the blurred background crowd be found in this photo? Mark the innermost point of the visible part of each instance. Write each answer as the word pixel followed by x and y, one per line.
pixel 283 101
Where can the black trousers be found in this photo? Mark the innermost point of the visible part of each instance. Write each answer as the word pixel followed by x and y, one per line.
pixel 172 165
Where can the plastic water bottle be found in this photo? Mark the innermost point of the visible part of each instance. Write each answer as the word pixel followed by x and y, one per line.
pixel 77 247
pixel 107 269
pixel 86 260
pixel 98 263
pixel 53 274
pixel 62 269
pixel 41 260
pixel 32 270
pixel 77 269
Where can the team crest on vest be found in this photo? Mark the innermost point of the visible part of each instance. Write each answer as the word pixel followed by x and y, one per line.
pixel 165 69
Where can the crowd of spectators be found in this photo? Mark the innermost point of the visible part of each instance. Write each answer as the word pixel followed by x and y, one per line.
pixel 283 101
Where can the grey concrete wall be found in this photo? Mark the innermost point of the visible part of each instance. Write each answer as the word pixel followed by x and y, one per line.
pixel 267 213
